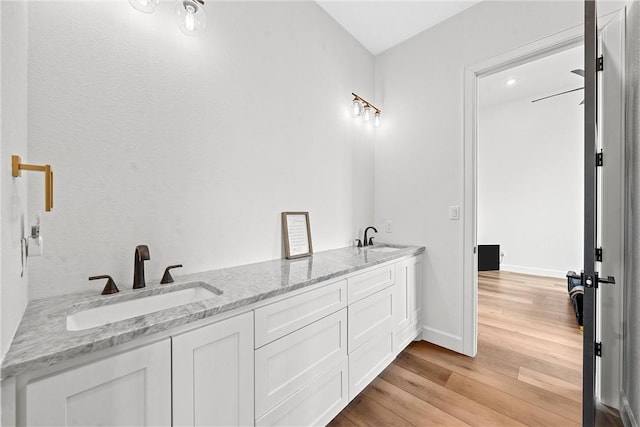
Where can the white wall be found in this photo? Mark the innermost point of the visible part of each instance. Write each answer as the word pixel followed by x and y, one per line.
pixel 530 183
pixel 419 152
pixel 13 140
pixel 192 146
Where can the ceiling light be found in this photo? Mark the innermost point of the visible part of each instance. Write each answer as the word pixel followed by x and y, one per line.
pixel 192 18
pixel 511 82
pixel 360 107
pixel 146 6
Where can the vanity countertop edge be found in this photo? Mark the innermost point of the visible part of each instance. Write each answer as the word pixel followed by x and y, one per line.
pixel 42 338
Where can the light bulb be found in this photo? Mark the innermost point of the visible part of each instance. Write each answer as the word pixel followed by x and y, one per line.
pixel 192 18
pixel 376 119
pixel 356 108
pixel 367 113
pixel 146 6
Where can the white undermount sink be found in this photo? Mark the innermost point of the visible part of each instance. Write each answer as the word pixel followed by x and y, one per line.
pixel 386 248
pixel 138 306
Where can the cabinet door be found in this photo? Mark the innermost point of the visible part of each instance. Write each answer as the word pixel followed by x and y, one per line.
pixel 128 389
pixel 213 374
pixel 414 279
pixel 401 297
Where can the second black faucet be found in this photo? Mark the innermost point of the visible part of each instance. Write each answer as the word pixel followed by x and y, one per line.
pixel 369 241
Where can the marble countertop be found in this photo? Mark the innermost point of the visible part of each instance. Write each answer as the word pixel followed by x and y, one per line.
pixel 42 338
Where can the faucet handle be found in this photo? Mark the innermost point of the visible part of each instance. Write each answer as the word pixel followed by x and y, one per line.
pixel 359 243
pixel 371 241
pixel 166 278
pixel 110 287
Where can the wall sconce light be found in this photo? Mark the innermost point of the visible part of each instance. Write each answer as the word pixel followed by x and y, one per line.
pixel 191 16
pixel 360 107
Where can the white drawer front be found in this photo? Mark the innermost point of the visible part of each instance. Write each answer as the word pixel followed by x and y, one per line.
pixel 315 404
pixel 368 361
pixel 369 317
pixel 368 283
pixel 283 317
pixel 286 365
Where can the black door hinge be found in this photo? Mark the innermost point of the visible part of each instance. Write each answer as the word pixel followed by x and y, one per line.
pixel 598 349
pixel 599 254
pixel 600 63
pixel 599 158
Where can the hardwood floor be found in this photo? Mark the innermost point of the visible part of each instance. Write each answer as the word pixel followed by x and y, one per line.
pixel 527 370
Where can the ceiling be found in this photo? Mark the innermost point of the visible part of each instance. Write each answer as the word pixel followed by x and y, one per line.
pixel 380 25
pixel 536 79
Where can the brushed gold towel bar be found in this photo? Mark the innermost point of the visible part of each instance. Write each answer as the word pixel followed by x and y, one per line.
pixel 16 170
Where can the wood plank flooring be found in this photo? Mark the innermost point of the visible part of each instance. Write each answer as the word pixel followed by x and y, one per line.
pixel 527 370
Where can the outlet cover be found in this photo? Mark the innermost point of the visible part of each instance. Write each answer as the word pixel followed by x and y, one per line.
pixel 388 226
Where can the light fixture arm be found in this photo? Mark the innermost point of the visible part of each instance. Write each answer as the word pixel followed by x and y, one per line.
pixel 365 102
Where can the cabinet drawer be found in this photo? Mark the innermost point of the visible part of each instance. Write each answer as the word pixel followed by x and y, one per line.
pixel 283 317
pixel 369 317
pixel 368 361
pixel 317 403
pixel 286 365
pixel 369 283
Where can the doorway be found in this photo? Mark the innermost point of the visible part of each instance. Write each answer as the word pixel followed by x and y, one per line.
pixel 610 323
pixel 530 224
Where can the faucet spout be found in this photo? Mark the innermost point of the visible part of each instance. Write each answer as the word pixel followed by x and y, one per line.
pixel 139 257
pixel 368 242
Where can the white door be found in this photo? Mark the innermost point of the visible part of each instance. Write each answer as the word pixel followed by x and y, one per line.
pixel 128 389
pixel 611 212
pixel 213 374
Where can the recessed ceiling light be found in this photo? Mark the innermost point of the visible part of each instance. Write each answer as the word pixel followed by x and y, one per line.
pixel 511 82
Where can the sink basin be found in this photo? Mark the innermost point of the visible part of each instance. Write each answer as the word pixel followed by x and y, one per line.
pixel 386 248
pixel 134 305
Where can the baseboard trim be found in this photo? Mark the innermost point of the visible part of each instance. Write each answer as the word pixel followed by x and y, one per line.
pixel 626 413
pixel 443 339
pixel 533 271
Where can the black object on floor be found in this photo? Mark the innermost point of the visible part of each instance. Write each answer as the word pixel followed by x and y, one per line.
pixel 488 257
pixel 576 293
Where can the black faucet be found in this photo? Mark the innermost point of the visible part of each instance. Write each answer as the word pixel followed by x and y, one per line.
pixel 368 242
pixel 139 257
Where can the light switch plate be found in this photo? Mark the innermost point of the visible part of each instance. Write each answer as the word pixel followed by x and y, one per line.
pixel 454 212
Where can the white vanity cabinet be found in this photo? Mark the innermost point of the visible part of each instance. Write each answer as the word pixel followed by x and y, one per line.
pixel 213 374
pixel 291 360
pixel 407 301
pixel 128 389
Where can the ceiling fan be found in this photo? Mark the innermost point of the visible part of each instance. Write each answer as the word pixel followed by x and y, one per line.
pixel 579 72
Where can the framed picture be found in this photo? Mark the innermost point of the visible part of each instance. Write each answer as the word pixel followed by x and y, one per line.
pixel 297 234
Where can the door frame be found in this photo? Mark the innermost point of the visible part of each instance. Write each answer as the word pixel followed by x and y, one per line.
pixel 535 50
